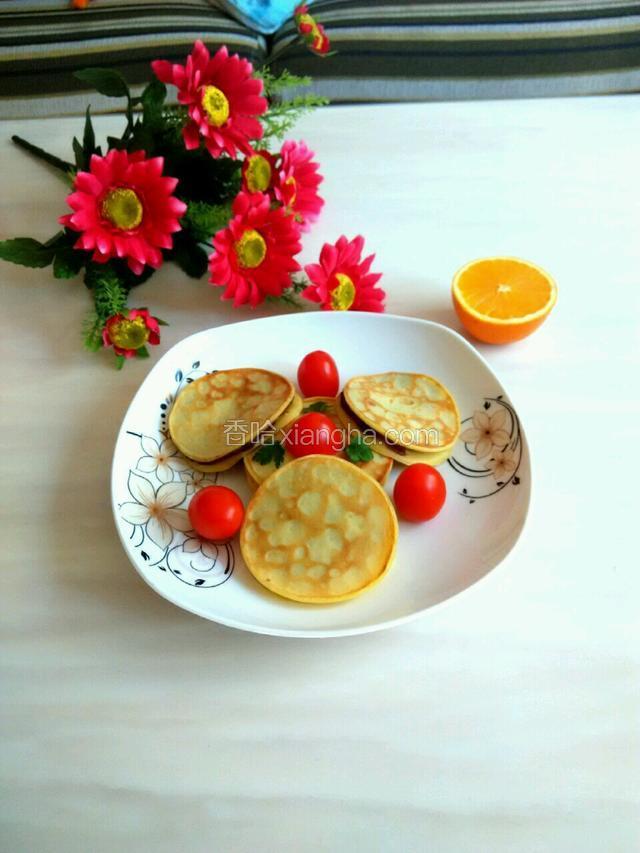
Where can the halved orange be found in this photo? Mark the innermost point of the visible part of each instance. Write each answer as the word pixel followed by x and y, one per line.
pixel 499 300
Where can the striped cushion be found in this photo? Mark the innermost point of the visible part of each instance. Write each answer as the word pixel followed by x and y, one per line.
pixel 42 43
pixel 501 48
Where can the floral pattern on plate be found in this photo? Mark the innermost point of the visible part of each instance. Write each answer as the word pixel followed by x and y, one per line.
pixel 492 449
pixel 161 486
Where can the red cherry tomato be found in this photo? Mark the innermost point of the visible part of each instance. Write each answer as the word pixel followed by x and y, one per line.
pixel 313 433
pixel 419 492
pixel 318 375
pixel 216 513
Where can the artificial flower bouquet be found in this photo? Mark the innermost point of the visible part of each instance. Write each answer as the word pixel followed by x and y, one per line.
pixel 199 184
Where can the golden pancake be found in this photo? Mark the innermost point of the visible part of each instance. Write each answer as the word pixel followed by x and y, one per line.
pixel 394 453
pixel 220 414
pixel 409 410
pixel 226 462
pixel 291 413
pixel 319 530
pixel 223 464
pixel 256 472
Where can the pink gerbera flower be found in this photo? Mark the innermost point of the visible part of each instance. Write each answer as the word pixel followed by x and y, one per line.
pixel 312 32
pixel 130 332
pixel 342 281
pixel 222 96
pixel 298 182
pixel 254 254
pixel 123 208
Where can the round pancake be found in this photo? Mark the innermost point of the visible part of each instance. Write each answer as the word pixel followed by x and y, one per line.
pixel 222 412
pixel 319 530
pixel 223 464
pixel 291 413
pixel 410 409
pixel 226 462
pixel 398 454
pixel 379 467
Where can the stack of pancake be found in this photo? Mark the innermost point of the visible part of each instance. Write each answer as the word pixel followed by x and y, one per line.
pixel 257 472
pixel 409 416
pixel 216 420
pixel 318 529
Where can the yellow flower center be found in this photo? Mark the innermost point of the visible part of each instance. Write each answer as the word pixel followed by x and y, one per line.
pixel 291 182
pixel 251 249
pixel 123 208
pixel 215 105
pixel 343 295
pixel 129 334
pixel 258 174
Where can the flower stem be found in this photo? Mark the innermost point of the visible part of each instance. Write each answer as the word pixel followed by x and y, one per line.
pixel 286 297
pixel 54 161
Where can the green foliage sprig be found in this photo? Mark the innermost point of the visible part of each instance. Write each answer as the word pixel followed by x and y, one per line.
pixel 284 112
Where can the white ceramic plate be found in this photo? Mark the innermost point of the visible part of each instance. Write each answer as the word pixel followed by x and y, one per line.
pixel 487 501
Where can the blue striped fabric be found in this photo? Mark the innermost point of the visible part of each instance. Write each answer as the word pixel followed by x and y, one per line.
pixel 42 43
pixel 477 48
pixel 385 51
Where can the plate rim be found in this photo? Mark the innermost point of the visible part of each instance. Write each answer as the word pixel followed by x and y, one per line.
pixel 317 634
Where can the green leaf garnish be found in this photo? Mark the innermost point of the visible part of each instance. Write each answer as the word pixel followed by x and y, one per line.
pixel 358 451
pixel 270 453
pixel 318 406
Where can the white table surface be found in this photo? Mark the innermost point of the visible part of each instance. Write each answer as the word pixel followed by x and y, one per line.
pixel 506 721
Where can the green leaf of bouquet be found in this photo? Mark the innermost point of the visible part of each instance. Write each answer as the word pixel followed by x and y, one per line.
pixel 120 360
pixel 116 142
pixel 109 291
pixel 88 139
pixel 152 99
pixel 78 154
pixel 276 83
pixel 202 177
pixel 161 322
pixel 61 238
pixel 107 81
pixel 282 115
pixel 142 139
pixel 93 345
pixel 68 262
pixel 143 352
pixel 190 257
pixel 203 220
pixel 26 252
